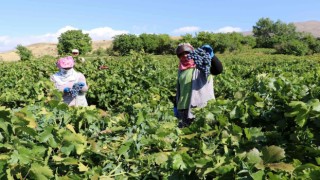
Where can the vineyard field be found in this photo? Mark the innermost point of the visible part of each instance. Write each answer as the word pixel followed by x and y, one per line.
pixel 263 124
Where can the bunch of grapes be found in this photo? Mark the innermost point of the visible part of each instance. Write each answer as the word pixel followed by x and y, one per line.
pixel 201 59
pixel 76 88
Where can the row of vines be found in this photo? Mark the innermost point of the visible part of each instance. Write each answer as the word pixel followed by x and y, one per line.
pixel 264 123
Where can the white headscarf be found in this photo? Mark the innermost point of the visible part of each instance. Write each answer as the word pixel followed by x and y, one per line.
pixel 64 76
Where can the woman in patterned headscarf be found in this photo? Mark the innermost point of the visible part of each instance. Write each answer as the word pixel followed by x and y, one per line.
pixel 194 84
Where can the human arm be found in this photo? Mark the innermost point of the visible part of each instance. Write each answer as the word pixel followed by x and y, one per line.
pixel 174 99
pixel 216 66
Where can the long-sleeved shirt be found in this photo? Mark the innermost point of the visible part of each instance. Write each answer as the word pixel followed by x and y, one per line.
pixel 61 82
pixel 201 88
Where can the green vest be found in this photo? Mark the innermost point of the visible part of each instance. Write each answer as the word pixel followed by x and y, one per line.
pixel 185 83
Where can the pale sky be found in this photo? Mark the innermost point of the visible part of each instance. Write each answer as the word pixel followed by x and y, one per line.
pixel 27 22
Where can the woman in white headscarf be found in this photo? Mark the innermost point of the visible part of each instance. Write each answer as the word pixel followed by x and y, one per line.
pixel 70 82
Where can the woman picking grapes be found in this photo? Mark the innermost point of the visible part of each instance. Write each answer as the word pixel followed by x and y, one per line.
pixel 195 83
pixel 70 82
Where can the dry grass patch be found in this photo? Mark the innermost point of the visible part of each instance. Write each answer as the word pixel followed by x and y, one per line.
pixel 42 49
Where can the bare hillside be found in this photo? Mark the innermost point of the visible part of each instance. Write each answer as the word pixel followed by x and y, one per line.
pixel 41 49
pixel 312 27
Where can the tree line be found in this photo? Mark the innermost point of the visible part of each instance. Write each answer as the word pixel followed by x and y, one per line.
pixel 266 33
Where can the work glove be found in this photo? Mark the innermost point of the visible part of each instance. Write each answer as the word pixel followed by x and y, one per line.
pixel 81 84
pixel 208 49
pixel 77 86
pixel 175 111
pixel 67 90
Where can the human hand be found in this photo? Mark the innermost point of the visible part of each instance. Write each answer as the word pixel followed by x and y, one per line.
pixel 67 90
pixel 208 49
pixel 81 84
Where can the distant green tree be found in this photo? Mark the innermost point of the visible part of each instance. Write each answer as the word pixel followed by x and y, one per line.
pixel 166 45
pixel 74 39
pixel 284 32
pixel 204 38
pixel 293 47
pixel 24 53
pixel 269 33
pixel 263 31
pixel 150 42
pixel 313 43
pixel 249 41
pixel 220 42
pixel 124 43
pixel 234 41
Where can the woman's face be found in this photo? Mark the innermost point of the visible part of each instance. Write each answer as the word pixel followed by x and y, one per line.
pixel 183 54
pixel 65 70
pixel 75 54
